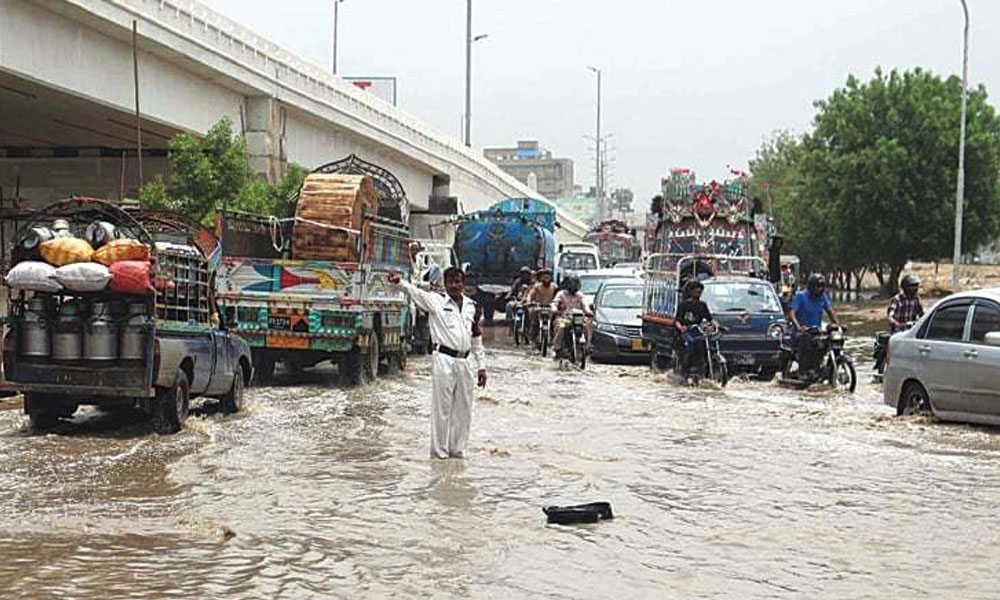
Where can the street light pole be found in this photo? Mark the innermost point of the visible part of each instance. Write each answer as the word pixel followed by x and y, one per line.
pixel 960 191
pixel 468 73
pixel 336 23
pixel 598 167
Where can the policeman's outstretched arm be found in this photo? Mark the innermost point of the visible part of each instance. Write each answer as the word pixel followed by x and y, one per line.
pixel 426 301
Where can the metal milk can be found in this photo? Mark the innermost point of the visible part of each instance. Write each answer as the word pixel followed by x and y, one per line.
pixel 67 333
pixel 35 328
pixel 100 338
pixel 134 332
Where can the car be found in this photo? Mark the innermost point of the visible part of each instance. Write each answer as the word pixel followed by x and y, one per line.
pixel 750 311
pixel 949 362
pixel 617 332
pixel 590 282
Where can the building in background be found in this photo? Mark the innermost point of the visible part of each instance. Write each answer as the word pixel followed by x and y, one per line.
pixel 533 165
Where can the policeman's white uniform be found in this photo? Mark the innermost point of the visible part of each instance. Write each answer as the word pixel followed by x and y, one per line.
pixel 453 378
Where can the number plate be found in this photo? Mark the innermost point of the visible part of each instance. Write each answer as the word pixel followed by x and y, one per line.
pixel 279 322
pixel 294 343
pixel 743 359
pixel 638 346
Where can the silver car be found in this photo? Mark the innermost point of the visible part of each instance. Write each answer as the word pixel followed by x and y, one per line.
pixel 949 362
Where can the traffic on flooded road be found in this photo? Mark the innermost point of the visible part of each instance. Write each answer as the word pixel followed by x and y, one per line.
pixel 315 490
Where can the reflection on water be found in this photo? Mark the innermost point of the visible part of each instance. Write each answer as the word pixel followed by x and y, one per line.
pixel 315 491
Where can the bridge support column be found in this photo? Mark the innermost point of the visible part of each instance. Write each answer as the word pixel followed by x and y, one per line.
pixel 263 134
pixel 441 207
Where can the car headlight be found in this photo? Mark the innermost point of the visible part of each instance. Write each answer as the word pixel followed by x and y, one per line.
pixel 605 327
pixel 776 331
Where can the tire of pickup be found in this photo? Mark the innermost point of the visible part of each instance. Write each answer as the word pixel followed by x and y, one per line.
pixel 45 410
pixel 171 405
pixel 232 402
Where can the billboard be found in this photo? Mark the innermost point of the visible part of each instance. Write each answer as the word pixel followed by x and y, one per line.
pixel 383 87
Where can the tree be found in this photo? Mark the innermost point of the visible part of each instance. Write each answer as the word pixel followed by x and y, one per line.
pixel 213 170
pixel 873 183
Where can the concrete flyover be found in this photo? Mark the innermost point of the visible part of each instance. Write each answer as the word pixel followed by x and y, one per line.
pixel 67 102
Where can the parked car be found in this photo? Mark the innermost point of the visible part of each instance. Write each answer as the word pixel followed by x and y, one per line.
pixel 617 332
pixel 949 362
pixel 750 311
pixel 591 281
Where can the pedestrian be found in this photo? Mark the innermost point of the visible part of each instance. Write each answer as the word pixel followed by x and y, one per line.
pixel 457 339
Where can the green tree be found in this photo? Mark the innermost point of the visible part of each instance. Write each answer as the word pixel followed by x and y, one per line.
pixel 208 172
pixel 873 183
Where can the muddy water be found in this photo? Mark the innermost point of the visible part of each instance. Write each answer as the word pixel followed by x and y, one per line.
pixel 315 492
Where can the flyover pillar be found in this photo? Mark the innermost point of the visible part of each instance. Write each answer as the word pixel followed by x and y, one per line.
pixel 264 136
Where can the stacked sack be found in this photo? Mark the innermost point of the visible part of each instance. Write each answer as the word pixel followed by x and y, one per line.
pixel 72 264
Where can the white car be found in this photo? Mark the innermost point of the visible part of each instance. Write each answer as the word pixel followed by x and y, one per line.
pixel 949 362
pixel 590 281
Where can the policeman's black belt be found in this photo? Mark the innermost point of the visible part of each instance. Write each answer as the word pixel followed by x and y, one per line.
pixel 450 352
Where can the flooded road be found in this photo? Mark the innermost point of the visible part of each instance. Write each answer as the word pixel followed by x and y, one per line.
pixel 315 492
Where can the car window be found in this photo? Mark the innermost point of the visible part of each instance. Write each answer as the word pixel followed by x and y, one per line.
pixel 590 285
pixel 948 323
pixel 985 320
pixel 573 261
pixel 741 297
pixel 621 297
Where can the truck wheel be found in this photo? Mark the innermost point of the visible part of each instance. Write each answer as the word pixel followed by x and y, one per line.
pixel 395 363
pixel 358 367
pixel 372 359
pixel 659 363
pixel 263 370
pixel 232 402
pixel 172 405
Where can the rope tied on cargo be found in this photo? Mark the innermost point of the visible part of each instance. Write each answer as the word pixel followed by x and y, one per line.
pixel 277 238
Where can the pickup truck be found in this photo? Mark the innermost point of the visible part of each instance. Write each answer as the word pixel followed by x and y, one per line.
pixel 154 352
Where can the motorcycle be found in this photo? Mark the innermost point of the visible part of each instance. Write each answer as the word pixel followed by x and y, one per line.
pixel 880 351
pixel 519 324
pixel 836 367
pixel 575 341
pixel 544 329
pixel 712 366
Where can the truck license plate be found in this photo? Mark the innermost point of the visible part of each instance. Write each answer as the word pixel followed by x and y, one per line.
pixel 279 322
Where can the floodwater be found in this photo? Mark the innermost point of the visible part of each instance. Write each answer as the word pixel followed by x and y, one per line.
pixel 317 492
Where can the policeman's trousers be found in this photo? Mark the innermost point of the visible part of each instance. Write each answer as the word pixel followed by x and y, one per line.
pixel 453 383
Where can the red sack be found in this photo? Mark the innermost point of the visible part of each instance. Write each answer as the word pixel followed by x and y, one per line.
pixel 130 277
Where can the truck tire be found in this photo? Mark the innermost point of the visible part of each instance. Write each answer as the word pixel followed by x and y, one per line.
pixel 358 367
pixel 263 370
pixel 232 402
pixel 171 405
pixel 45 410
pixel 395 363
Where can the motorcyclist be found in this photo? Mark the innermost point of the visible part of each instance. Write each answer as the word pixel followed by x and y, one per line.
pixel 905 307
pixel 543 292
pixel 806 313
pixel 518 289
pixel 690 312
pixel 565 302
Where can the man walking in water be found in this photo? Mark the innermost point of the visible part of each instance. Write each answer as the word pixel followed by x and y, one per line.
pixel 457 338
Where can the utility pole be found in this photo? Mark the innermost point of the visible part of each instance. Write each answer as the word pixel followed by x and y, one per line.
pixel 468 73
pixel 960 191
pixel 598 167
pixel 336 25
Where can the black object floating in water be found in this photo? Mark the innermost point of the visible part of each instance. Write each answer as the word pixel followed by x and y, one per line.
pixel 580 513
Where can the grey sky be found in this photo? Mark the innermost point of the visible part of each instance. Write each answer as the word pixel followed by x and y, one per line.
pixel 687 83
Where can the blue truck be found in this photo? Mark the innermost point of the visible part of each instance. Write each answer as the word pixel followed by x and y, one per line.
pixel 493 244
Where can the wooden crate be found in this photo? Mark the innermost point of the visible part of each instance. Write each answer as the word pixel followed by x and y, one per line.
pixel 335 200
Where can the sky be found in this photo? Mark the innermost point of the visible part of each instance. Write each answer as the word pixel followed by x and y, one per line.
pixel 686 83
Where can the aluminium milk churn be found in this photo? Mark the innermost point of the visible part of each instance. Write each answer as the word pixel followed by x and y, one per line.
pixel 100 337
pixel 35 328
pixel 67 332
pixel 134 332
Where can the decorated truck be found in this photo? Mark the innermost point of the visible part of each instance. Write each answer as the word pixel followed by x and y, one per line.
pixel 707 232
pixel 493 244
pixel 116 309
pixel 616 243
pixel 313 288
